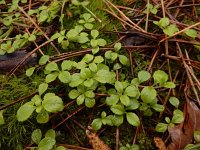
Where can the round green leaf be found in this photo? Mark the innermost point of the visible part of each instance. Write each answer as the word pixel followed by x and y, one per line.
pixel 87 58
pixel 117 120
pixel 75 80
pixel 44 59
pixel 160 77
pixel 125 100
pixel 74 94
pixel 117 109
pixel 64 76
pixel 108 54
pixel 143 76
pixel 42 117
pixel 52 103
pixel 89 102
pixel 36 136
pixel 46 144
pixel 51 77
pixel 112 99
pixel 98 59
pixel 67 65
pixel 52 66
pixel 158 107
pixel 93 67
pixel 123 59
pixel 42 88
pixel 89 94
pixel 24 112
pixel 177 116
pixel 105 76
pixel 148 94
pixel 101 42
pixel 30 71
pixel 133 119
pixel 88 26
pixel 32 38
pixel 117 46
pixel 88 82
pixel 60 148
pixel 174 101
pixel 169 85
pixel 94 33
pixel 113 56
pixel 191 33
pixel 132 91
pixel 134 104
pixel 119 86
pixel 50 133
pixel 95 50
pixel 85 73
pixel 161 127
pixel 80 99
pixel 96 124
pixel 94 43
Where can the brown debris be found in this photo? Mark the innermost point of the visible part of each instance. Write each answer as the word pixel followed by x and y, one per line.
pixel 159 143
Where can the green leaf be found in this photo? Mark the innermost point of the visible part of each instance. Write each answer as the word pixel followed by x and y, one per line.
pixel 117 109
pixel 133 119
pixel 148 94
pixel 98 59
pixel 112 99
pixel 143 76
pixel 119 86
pixel 65 44
pixel 85 73
pixel 104 76
pixel 161 127
pixel 55 36
pixel 160 77
pixel 80 100
pixel 117 46
pixel 125 100
pixel 72 34
pixel 73 94
pixel 158 107
pixel 67 65
pixel 94 34
pixel 169 85
pixel 24 112
pixel 64 76
pixel 89 102
pixel 46 144
pixel 177 116
pixel 96 124
pixel 75 80
pixel 2 121
pixel 191 33
pixel 52 103
pixel 89 94
pixel 42 88
pixel 123 59
pixel 60 148
pixel 95 50
pixel 32 38
pixel 134 104
pixel 52 66
pixel 101 42
pixel 42 117
pixel 94 43
pixel 44 59
pixel 113 56
pixel 50 133
pixel 86 16
pixel 170 30
pixel 36 136
pixel 108 54
pixel 93 67
pixel 197 136
pixel 51 77
pixel 83 38
pixel 60 39
pixel 88 26
pixel 89 82
pixel 135 82
pixel 29 71
pixel 162 23
pixel 167 119
pixel 43 16
pixel 132 91
pixel 117 120
pixel 88 58
pixel 174 101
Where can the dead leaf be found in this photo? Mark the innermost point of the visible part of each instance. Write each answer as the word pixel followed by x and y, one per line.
pixel 159 143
